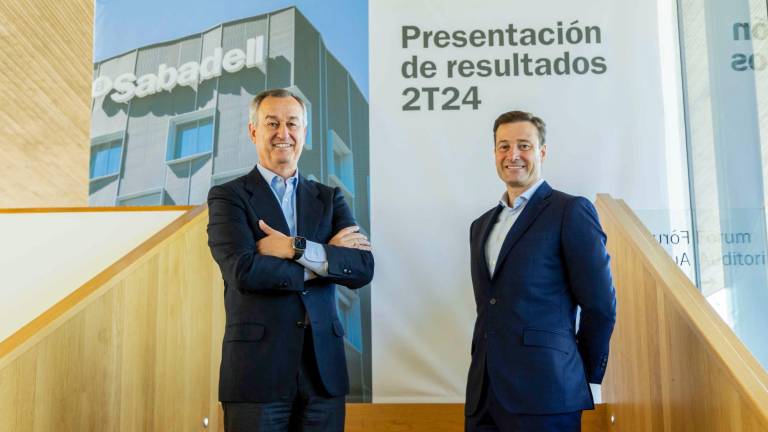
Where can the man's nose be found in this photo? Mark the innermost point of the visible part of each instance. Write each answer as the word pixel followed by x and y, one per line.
pixel 282 131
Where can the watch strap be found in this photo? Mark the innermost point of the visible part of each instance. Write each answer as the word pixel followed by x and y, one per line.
pixel 299 246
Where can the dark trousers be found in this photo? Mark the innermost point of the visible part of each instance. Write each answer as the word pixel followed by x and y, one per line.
pixel 308 409
pixel 492 417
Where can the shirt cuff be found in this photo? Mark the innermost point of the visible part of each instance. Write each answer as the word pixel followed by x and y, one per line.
pixel 309 274
pixel 314 259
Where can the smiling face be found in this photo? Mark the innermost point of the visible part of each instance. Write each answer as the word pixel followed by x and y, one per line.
pixel 279 134
pixel 519 155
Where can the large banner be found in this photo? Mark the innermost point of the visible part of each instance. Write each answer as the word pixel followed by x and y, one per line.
pixel 442 72
pixel 413 153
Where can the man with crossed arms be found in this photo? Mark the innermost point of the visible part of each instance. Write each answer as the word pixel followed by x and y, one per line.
pixel 282 242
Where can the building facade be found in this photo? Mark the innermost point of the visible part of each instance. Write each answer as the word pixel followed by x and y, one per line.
pixel 170 120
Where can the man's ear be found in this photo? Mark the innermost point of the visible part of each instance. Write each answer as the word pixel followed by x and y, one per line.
pixel 252 132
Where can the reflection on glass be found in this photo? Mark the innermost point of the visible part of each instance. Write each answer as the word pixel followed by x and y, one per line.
pixel 725 112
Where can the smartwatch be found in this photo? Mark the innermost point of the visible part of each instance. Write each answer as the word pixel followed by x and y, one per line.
pixel 299 245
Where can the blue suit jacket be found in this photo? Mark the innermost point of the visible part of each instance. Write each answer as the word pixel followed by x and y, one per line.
pixel 552 260
pixel 266 297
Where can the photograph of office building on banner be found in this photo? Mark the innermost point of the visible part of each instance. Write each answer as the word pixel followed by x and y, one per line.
pixel 170 120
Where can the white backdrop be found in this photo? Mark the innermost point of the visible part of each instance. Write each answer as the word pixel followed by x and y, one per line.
pixel 432 171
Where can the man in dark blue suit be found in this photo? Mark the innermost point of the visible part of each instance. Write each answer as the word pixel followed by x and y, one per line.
pixel 535 257
pixel 282 242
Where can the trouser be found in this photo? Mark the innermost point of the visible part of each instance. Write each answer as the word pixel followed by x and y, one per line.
pixel 308 409
pixel 491 416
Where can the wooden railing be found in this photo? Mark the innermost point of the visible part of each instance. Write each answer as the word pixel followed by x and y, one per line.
pixel 93 209
pixel 675 366
pixel 134 349
pixel 137 348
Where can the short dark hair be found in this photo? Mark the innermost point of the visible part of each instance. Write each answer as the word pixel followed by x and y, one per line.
pixel 521 116
pixel 278 93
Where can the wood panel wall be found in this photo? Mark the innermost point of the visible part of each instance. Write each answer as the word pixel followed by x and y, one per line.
pixel 135 349
pixel 435 418
pixel 45 102
pixel 675 366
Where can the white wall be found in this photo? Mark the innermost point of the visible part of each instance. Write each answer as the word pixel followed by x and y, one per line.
pixel 46 256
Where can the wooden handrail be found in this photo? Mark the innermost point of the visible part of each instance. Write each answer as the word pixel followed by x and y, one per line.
pixel 141 340
pixel 664 323
pixel 73 299
pixel 96 209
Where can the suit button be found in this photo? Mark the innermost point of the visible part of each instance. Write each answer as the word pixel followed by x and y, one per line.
pixel 300 324
pixel 284 284
pixel 347 271
pixel 493 301
pixel 305 292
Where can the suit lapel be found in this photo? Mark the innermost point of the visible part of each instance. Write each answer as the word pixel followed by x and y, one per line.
pixel 539 201
pixel 308 208
pixel 264 202
pixel 485 230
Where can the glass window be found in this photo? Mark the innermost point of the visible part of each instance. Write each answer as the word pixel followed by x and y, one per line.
pixel 105 159
pixel 223 177
pixel 193 138
pixel 338 165
pixel 726 128
pixel 349 314
pixel 341 163
pixel 148 199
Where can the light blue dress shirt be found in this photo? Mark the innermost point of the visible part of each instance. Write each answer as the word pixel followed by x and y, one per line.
pixel 507 217
pixel 314 259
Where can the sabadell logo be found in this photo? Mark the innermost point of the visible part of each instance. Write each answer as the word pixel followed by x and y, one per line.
pixel 127 86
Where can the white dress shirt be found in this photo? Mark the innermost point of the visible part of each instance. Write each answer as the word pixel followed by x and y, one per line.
pixel 507 217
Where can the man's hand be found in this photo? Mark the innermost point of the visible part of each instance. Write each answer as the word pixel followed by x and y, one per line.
pixel 275 244
pixel 350 237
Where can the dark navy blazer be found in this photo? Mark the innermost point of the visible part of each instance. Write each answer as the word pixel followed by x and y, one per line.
pixel 552 260
pixel 266 298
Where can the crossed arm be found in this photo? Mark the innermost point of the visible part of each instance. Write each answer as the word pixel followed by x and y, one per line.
pixel 279 245
pixel 267 264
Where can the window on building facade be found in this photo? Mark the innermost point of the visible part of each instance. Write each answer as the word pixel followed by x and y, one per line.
pixel 105 159
pixel 349 314
pixel 192 138
pixel 148 198
pixel 224 177
pixel 341 166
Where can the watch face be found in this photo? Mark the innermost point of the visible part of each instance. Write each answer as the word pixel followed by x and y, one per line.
pixel 299 243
